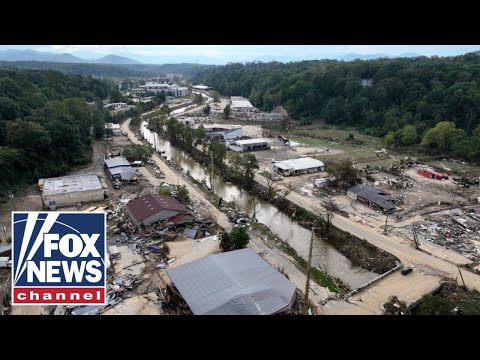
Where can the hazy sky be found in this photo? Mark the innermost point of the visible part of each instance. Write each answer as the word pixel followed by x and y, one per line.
pixel 221 54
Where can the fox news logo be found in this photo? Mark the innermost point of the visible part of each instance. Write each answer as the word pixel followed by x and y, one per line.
pixel 58 258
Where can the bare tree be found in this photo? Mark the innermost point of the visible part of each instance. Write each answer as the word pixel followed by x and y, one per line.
pixel 254 202
pixel 272 190
pixel 288 190
pixel 330 209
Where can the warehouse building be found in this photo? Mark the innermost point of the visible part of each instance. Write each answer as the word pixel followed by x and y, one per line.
pixel 120 168
pixel 71 190
pixel 201 87
pixel 224 133
pixel 298 166
pixel 372 197
pixel 114 129
pixel 241 104
pixel 249 145
pixel 237 282
pixel 150 208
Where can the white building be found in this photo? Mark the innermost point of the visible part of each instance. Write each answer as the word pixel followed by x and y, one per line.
pixel 71 190
pixel 201 87
pixel 249 145
pixel 175 89
pixel 241 104
pixel 114 128
pixel 298 166
pixel 114 106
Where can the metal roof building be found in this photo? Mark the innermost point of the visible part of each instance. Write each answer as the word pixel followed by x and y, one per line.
pixel 240 103
pixel 71 190
pixel 249 145
pixel 298 166
pixel 120 168
pixel 150 208
pixel 233 283
pixel 372 197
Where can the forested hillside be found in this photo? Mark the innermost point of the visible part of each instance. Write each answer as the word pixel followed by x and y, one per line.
pixel 401 99
pixel 46 126
pixel 108 70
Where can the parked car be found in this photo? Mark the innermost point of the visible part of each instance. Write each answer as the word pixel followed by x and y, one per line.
pixel 406 270
pixel 151 162
pixel 137 163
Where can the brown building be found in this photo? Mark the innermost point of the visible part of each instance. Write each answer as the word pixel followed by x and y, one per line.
pixel 150 208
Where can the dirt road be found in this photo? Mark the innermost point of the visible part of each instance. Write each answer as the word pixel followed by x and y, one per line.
pixel 435 268
pixel 273 256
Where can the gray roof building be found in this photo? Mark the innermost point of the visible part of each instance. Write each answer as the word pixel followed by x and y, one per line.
pixel 233 283
pixel 374 196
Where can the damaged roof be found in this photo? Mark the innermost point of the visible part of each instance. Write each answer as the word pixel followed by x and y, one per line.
pixel 377 196
pixel 238 282
pixel 149 204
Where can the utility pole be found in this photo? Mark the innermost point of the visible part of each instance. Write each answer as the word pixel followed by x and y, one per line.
pixel 309 268
pixel 211 175
pixel 417 245
pixel 4 228
pixel 11 196
pixel 463 281
pixel 386 221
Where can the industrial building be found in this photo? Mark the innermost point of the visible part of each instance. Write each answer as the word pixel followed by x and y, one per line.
pixel 249 145
pixel 373 197
pixel 71 190
pixel 201 87
pixel 298 166
pixel 241 104
pixel 150 208
pixel 237 282
pixel 113 128
pixel 120 168
pixel 175 89
pixel 223 133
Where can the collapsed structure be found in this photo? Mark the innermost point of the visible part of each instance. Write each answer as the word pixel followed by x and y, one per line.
pixel 150 208
pixel 298 166
pixel 233 283
pixel 372 197
pixel 113 128
pixel 71 190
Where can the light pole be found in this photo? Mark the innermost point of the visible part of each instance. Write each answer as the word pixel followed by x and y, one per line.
pixel 11 196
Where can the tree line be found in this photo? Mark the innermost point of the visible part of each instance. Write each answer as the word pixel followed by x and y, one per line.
pixel 400 99
pixel 46 124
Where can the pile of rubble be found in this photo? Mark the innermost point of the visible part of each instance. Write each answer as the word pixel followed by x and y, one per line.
pixel 460 233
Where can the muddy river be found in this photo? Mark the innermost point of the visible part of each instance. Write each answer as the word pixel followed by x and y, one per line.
pixel 325 256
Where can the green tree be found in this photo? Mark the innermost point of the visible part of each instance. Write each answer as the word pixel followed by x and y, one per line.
pixel 237 239
pixel 182 194
pixel 206 110
pixel 219 152
pixel 408 135
pixel 442 137
pixel 344 173
pixel 198 135
pixel 435 305
pixel 389 138
pixel 164 190
pixel 116 96
pixel 137 152
pixel 215 96
pixel 226 112
pixel 198 99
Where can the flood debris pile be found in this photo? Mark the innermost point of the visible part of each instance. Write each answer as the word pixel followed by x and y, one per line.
pixel 458 231
pixel 395 307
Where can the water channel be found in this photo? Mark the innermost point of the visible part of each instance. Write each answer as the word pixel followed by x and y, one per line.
pixel 325 256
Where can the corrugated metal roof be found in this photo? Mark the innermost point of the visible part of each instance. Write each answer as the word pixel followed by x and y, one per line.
pixel 69 184
pixel 374 195
pixel 116 162
pixel 251 141
pixel 240 102
pixel 150 204
pixel 299 164
pixel 5 248
pixel 126 173
pixel 233 283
